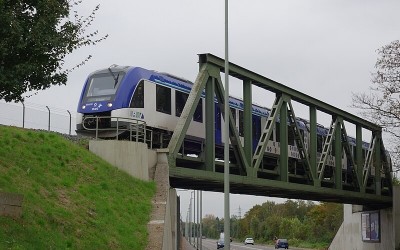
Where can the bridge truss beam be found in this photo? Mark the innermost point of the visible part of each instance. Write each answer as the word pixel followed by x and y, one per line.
pixel 247 173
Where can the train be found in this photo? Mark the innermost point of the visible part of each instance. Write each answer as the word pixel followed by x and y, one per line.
pixel 113 97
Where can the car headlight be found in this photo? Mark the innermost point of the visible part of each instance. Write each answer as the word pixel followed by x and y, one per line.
pixel 109 104
pixel 83 106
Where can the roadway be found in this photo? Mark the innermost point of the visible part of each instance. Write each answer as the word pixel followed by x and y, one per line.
pixel 210 244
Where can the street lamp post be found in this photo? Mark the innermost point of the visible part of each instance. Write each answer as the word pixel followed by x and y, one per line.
pixel 190 219
pixel 198 219
pixel 201 216
pixel 226 137
pixel 187 224
pixel 194 218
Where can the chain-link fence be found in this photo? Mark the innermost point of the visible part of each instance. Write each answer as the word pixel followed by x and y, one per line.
pixel 37 116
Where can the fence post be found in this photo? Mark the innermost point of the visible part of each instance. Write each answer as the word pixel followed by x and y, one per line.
pixel 49 117
pixel 69 121
pixel 23 114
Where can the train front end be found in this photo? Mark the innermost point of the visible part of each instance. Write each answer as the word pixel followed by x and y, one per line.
pixel 104 92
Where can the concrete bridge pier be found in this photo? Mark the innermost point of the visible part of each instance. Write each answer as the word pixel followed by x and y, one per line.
pixel 349 235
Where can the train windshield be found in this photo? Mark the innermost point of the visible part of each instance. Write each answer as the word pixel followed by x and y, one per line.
pixel 102 87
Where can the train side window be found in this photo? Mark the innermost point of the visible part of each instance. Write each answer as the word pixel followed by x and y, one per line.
pixel 163 99
pixel 277 132
pixel 271 137
pixel 290 136
pixel 180 101
pixel 256 127
pixel 217 118
pixel 198 113
pixel 233 111
pixel 241 123
pixel 319 143
pixel 138 97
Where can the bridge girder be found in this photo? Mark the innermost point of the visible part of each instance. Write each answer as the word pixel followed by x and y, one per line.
pixel 204 172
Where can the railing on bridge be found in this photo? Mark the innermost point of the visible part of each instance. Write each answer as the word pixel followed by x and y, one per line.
pixel 130 128
pixel 359 185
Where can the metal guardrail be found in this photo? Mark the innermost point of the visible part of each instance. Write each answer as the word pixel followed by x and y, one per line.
pixel 137 128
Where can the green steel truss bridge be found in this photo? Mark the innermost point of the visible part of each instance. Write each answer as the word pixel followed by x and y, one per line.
pixel 253 172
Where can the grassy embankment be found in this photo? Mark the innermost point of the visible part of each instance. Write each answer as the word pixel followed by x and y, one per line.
pixel 72 198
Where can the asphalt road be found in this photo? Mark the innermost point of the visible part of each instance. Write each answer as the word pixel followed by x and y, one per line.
pixel 209 244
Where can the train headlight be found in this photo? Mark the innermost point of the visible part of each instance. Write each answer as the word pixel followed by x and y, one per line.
pixel 109 104
pixel 83 106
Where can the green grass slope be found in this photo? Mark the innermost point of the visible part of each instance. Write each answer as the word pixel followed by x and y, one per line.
pixel 72 198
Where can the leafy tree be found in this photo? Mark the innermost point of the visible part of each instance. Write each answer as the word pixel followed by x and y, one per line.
pixel 254 227
pixel 273 223
pixel 290 228
pixel 299 221
pixel 289 208
pixel 325 220
pixel 210 226
pixel 382 104
pixel 235 226
pixel 303 208
pixel 35 38
pixel 244 227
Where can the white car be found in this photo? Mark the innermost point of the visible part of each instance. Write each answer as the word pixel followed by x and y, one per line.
pixel 249 241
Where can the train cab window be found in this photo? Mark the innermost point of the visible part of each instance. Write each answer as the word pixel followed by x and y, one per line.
pixel 198 113
pixel 241 123
pixel 180 101
pixel 163 99
pixel 138 97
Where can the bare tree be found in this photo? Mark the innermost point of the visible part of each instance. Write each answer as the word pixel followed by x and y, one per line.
pixel 382 104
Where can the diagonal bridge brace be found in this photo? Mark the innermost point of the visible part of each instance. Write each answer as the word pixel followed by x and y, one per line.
pixel 187 114
pixel 233 133
pixel 266 133
pixel 206 73
pixel 346 146
pixel 300 143
pixel 282 102
pixel 359 179
pixel 326 149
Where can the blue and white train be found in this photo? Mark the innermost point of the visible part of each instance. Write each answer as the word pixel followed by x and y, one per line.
pixel 158 99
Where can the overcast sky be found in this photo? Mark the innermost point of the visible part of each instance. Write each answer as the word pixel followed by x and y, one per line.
pixel 326 49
